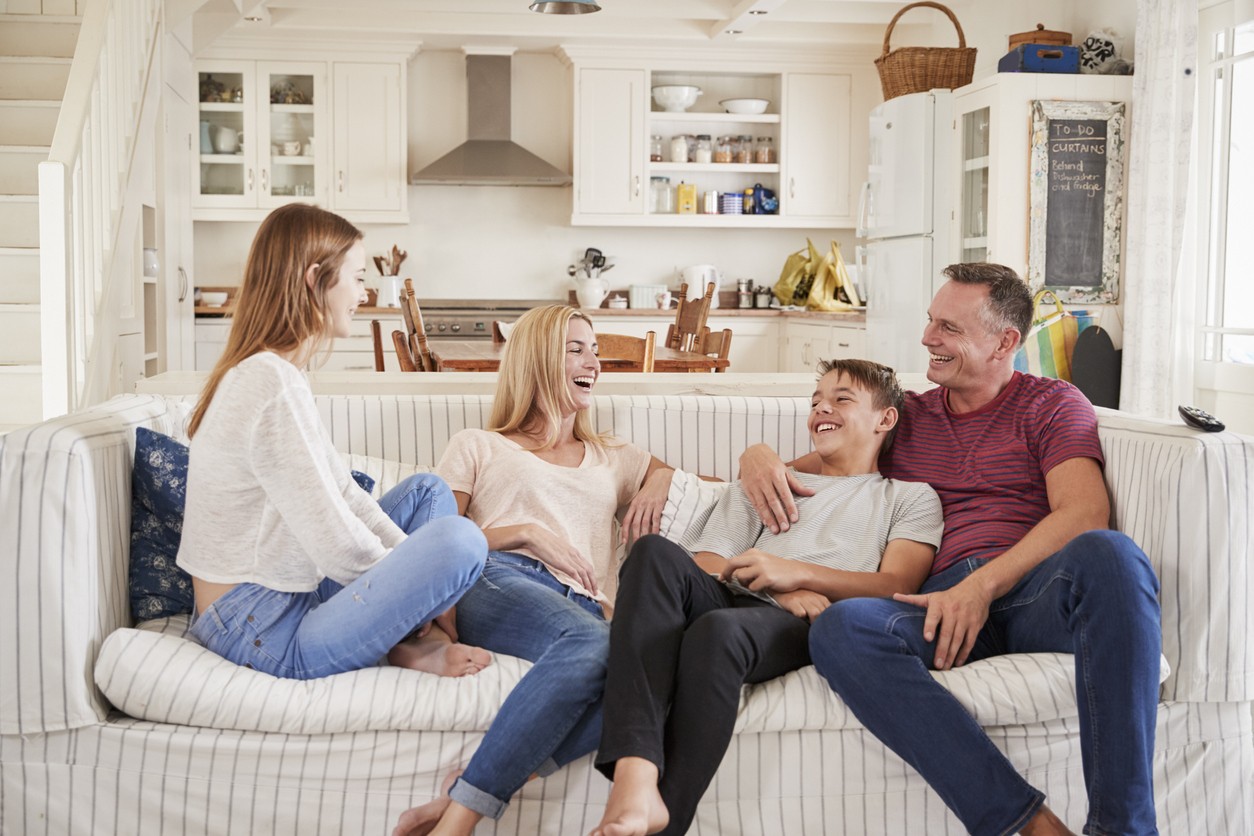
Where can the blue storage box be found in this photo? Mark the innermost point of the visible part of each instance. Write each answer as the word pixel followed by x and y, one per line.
pixel 1040 58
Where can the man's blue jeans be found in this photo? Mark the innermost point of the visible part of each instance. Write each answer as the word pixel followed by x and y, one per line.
pixel 1096 598
pixel 303 635
pixel 553 715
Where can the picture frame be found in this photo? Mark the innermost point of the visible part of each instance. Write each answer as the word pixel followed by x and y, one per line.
pixel 1076 203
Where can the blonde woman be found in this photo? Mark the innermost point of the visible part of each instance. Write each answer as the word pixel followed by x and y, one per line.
pixel 544 486
pixel 297 571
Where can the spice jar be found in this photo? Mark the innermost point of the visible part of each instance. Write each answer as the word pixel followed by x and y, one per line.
pixel 749 204
pixel 655 149
pixel 723 150
pixel 686 198
pixel 743 153
pixel 661 195
pixel 764 154
pixel 679 148
pixel 705 150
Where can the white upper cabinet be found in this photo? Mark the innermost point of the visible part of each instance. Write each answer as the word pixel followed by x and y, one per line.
pixel 804 148
pixel 368 129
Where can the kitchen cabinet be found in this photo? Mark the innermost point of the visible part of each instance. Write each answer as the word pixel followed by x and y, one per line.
pixel 330 132
pixel 805 343
pixel 815 122
pixel 993 121
pixel 352 353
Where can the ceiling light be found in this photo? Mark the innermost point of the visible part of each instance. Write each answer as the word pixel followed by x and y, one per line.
pixel 570 7
pixel 735 31
pixel 757 11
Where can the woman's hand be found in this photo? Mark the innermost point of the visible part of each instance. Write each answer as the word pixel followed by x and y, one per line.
pixel 561 555
pixel 644 514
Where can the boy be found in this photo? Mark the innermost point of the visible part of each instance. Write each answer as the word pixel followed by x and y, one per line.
pixel 692 626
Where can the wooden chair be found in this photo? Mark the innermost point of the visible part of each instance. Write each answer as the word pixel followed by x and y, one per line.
pixel 690 318
pixel 500 330
pixel 637 349
pixel 399 341
pixel 376 334
pixel 412 351
pixel 716 344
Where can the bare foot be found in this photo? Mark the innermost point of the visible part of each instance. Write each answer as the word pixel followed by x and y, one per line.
pixel 421 820
pixel 438 654
pixel 1045 823
pixel 635 807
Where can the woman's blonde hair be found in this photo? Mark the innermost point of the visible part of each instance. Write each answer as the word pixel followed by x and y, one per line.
pixel 276 310
pixel 532 391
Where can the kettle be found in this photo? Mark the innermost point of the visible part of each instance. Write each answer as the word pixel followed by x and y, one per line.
pixel 697 276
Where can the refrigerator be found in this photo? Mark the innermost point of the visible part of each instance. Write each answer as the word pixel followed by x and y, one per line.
pixel 905 217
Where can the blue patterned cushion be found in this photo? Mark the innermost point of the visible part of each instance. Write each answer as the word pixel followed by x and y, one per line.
pixel 158 587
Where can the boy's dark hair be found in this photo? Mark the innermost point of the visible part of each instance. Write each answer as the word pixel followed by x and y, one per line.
pixel 1009 298
pixel 876 378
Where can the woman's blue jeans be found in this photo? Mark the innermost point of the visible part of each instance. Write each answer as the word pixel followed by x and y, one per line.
pixel 304 635
pixel 1097 598
pixel 553 715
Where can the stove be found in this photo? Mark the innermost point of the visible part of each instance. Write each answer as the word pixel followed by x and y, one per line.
pixel 471 319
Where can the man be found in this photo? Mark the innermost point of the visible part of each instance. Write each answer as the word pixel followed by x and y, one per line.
pixel 691 627
pixel 1026 565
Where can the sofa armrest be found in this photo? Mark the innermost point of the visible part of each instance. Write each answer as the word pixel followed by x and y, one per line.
pixel 1184 497
pixel 64 548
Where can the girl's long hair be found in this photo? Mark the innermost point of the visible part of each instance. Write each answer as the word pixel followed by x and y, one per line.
pixel 531 390
pixel 276 310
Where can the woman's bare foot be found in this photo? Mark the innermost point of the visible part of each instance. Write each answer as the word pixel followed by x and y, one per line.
pixel 635 806
pixel 438 654
pixel 421 820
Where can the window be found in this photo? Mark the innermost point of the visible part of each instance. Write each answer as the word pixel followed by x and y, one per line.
pixel 1226 123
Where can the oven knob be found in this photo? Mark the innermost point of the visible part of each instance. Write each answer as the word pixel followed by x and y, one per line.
pixel 441 326
pixel 455 327
pixel 430 327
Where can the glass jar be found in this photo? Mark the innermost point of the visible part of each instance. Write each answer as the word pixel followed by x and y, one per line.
pixel 723 150
pixel 749 205
pixel 705 150
pixel 662 196
pixel 655 149
pixel 744 150
pixel 764 153
pixel 679 148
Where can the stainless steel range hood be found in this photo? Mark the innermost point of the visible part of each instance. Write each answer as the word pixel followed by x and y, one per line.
pixel 489 157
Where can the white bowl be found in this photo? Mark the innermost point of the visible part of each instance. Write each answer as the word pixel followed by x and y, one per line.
pixel 213 299
pixel 745 106
pixel 676 98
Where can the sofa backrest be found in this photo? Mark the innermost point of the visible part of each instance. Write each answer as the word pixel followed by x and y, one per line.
pixel 64 521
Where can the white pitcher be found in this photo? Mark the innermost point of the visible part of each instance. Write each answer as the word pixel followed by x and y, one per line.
pixel 389 292
pixel 591 292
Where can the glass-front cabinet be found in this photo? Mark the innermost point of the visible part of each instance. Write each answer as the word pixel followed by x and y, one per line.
pixel 973 224
pixel 259 123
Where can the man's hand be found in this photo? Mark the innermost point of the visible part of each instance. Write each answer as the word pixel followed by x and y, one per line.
pixel 803 603
pixel 770 487
pixel 644 514
pixel 761 571
pixel 960 612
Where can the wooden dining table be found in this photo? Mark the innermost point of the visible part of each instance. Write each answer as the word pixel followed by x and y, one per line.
pixel 485 356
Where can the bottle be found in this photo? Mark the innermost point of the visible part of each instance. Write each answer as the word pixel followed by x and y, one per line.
pixel 661 195
pixel 764 154
pixel 686 198
pixel 655 149
pixel 679 148
pixel 749 207
pixel 705 151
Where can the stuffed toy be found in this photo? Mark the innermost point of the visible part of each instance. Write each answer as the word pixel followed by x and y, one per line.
pixel 1100 54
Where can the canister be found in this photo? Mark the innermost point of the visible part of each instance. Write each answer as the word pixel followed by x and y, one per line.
pixel 686 198
pixel 763 297
pixel 709 203
pixel 744 293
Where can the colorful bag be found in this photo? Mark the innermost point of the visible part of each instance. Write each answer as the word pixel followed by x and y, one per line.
pixel 818 282
pixel 1047 348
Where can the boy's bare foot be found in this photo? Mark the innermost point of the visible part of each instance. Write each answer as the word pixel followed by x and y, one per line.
pixel 421 820
pixel 436 653
pixel 1045 823
pixel 635 807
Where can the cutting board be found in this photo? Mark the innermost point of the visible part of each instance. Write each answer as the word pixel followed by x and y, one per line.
pixel 1095 367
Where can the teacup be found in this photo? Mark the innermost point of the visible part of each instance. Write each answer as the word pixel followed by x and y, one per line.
pixel 291 148
pixel 664 300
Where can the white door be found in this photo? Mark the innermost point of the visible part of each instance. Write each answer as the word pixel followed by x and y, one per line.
pixel 609 142
pixel 899 284
pixel 369 152
pixel 898 200
pixel 815 157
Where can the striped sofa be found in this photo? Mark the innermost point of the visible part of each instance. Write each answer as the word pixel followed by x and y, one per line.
pixel 347 755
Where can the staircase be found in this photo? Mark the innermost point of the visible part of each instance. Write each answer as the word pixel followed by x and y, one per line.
pixel 35 55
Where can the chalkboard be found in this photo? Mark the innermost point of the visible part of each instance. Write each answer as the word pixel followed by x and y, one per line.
pixel 1076 199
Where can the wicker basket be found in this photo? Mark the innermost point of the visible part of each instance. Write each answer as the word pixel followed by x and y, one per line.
pixel 915 69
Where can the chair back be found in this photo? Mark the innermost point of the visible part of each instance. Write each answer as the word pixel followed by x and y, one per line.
pixel 420 352
pixel 639 350
pixel 716 344
pixel 376 335
pixel 690 318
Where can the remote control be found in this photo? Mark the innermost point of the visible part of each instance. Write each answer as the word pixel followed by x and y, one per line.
pixel 1195 417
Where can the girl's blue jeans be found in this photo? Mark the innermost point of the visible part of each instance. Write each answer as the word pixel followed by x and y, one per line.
pixel 553 715
pixel 1096 598
pixel 304 635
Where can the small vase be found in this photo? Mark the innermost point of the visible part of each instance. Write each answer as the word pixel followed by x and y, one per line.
pixel 389 291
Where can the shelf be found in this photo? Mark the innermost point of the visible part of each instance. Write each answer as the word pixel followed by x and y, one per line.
pixel 286 159
pixel 715 168
pixel 221 107
pixel 748 119
pixel 223 159
pixel 975 164
pixel 291 108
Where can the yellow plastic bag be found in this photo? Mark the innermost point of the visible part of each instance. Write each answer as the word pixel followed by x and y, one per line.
pixel 817 282
pixel 795 280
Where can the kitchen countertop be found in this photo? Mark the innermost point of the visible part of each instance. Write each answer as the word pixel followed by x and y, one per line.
pixel 851 317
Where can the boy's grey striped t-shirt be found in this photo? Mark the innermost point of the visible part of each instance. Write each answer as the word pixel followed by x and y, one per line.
pixel 845 525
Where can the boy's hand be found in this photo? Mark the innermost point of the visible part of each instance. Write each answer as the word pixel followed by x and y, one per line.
pixel 803 603
pixel 770 487
pixel 761 571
